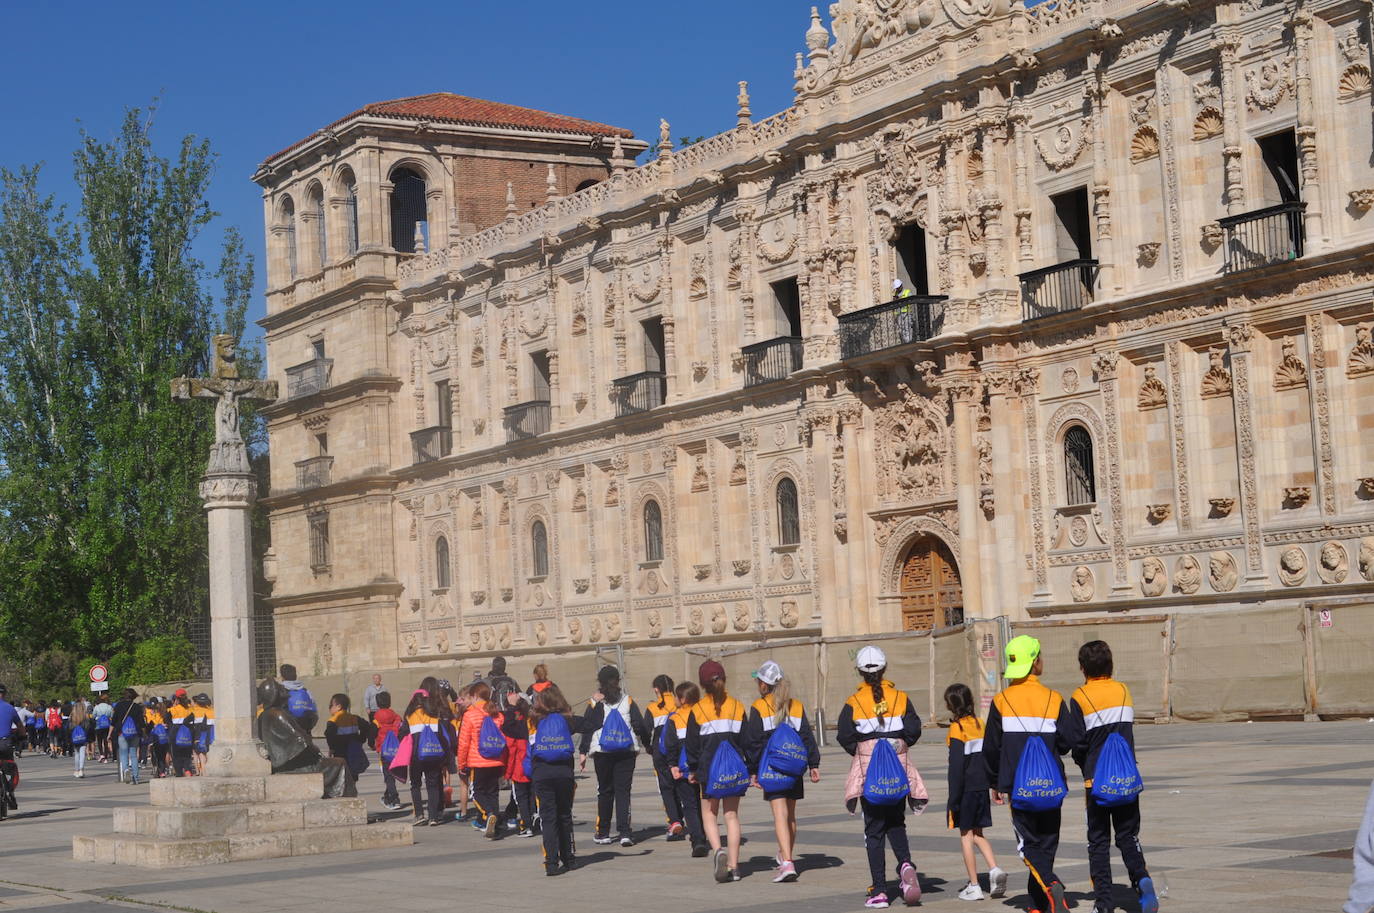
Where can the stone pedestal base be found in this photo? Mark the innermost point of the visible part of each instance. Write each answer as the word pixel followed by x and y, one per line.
pixel 209 820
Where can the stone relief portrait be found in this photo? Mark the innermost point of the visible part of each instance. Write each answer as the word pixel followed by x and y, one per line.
pixel 1222 573
pixel 1081 585
pixel 1292 566
pixel 1187 575
pixel 1333 563
pixel 1153 578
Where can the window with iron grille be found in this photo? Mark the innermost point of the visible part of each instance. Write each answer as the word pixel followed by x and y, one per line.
pixel 408 208
pixel 351 216
pixel 443 575
pixel 539 546
pixel 1079 479
pixel 653 532
pixel 789 520
pixel 321 236
pixel 319 541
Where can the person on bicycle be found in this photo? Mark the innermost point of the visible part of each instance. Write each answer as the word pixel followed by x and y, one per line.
pixel 9 722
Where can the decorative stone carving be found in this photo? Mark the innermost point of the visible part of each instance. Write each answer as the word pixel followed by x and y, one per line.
pixel 614 628
pixel 1367 558
pixel 1207 124
pixel 579 502
pixel 503 637
pixel 1154 579
pixel 1158 513
pixel 788 616
pixel 702 571
pixel 1269 84
pixel 1147 254
pixel 594 630
pixel 1217 380
pixel 613 581
pixel 1069 380
pixel 654 621
pixel 507 594
pixel 1296 496
pixel 1145 144
pixel 1222 573
pixel 696 621
pixel 651 582
pixel 1081 584
pixel 541 633
pixel 1222 507
pixel 1070 139
pixel 1078 532
pixel 741 620
pixel 1333 563
pixel 1292 566
pixel 1361 200
pixel 1291 371
pixel 912 452
pixel 1354 82
pixel 474 640
pixel 1365 487
pixel 1212 236
pixel 1361 359
pixel 741 567
pixel 581 585
pixel 1153 394
pixel 718 620
pixel 489 638
pixel 1187 575
pixel 575 630
pixel 739 474
pixel 700 480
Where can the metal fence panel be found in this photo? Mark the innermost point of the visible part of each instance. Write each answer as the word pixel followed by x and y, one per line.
pixel 1238 664
pixel 1343 654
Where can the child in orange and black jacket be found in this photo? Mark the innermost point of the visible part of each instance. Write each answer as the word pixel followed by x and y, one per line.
pixel 516 730
pixel 716 720
pixel 428 710
pixel 675 750
pixel 483 773
pixel 342 733
pixel 553 782
pixel 654 736
pixel 386 721
pixel 969 809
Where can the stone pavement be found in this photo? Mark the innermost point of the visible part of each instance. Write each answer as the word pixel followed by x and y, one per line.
pixel 1237 816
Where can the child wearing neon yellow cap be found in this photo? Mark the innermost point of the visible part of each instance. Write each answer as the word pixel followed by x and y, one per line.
pixel 1024 711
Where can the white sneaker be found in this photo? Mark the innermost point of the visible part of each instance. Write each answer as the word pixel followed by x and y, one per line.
pixel 971 891
pixel 997 882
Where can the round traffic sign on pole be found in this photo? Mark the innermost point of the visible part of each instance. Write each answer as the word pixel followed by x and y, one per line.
pixel 99 673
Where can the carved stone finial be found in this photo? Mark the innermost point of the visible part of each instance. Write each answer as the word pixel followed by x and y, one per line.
pixel 421 245
pixel 510 199
pixel 743 115
pixel 665 139
pixel 817 40
pixel 551 185
pixel 618 161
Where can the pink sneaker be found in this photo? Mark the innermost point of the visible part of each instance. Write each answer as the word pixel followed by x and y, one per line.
pixel 786 872
pixel 911 885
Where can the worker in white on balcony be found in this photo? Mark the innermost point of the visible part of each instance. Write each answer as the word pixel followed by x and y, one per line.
pixel 905 323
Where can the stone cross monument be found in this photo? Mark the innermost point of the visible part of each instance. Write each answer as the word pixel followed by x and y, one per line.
pixel 228 490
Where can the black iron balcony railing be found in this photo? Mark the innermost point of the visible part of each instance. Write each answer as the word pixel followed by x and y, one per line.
pixel 315 472
pixel 528 420
pixel 772 359
pixel 308 378
pixel 429 444
pixel 915 318
pixel 1058 289
pixel 639 392
pixel 1270 235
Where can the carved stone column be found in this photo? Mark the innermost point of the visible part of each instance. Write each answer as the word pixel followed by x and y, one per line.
pixel 617 293
pixel 1239 338
pixel 1321 413
pixel 859 552
pixel 665 295
pixel 1006 492
pixel 1301 23
pixel 990 206
pixel 1027 388
pixel 1018 114
pixel 555 414
pixel 745 215
pixel 1104 363
pixel 963 400
pixel 1227 47
pixel 1109 276
pixel 953 215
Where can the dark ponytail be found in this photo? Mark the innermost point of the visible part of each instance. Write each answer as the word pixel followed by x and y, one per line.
pixel 959 700
pixel 874 680
pixel 717 692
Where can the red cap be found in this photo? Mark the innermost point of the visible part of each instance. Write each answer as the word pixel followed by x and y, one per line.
pixel 180 692
pixel 710 670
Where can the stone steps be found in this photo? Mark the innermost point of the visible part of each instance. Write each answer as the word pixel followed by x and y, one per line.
pixel 232 820
pixel 160 852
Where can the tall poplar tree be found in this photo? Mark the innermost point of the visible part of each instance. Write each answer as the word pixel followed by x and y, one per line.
pixel 102 537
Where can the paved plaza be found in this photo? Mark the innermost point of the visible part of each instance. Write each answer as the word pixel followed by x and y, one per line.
pixel 1240 816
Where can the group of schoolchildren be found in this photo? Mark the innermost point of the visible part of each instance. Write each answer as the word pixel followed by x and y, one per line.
pixel 172 735
pixel 708 748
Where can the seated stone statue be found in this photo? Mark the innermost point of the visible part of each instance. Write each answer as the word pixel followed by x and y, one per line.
pixel 290 748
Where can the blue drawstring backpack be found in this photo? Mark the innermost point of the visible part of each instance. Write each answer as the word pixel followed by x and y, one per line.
pixel 1038 785
pixel 101 722
pixel 1116 778
pixel 160 733
pixel 129 729
pixel 203 741
pixel 728 777
pixel 183 736
pixel 769 777
pixel 428 747
pixel 615 734
pixel 885 781
pixel 663 737
pixel 390 745
pixel 299 703
pixel 491 744
pixel 786 754
pixel 79 736
pixel 552 741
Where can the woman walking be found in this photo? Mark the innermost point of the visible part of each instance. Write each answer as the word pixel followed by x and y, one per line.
pixel 777 721
pixel 81 734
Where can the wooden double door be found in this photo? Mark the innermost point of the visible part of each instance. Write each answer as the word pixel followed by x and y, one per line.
pixel 931 592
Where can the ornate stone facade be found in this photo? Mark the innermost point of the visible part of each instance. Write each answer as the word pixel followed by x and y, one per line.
pixel 605 401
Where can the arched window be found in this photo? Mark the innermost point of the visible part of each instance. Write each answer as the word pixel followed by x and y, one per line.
pixel 287 224
pixel 789 520
pixel 1079 476
pixel 590 182
pixel 653 532
pixel 351 213
pixel 408 209
pixel 443 574
pixel 539 545
pixel 321 237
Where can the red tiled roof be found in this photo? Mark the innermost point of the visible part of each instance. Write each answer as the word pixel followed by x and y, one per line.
pixel 460 109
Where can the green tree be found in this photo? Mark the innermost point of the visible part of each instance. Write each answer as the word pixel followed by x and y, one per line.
pixel 102 536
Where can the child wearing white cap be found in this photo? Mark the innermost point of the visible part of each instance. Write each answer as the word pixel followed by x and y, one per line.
pixel 878 711
pixel 774 710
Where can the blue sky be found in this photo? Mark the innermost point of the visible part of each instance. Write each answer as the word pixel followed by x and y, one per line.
pixel 254 77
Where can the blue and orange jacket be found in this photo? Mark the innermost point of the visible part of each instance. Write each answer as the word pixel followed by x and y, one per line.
pixel 1099 708
pixel 862 718
pixel 419 719
pixel 675 738
pixel 708 729
pixel 468 755
pixel 1020 712
pixel 967 773
pixel 656 716
pixel 759 726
